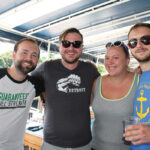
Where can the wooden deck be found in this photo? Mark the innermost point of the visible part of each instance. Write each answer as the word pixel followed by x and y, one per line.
pixel 32 141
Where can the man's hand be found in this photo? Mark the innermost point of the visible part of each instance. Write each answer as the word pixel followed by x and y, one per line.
pixel 138 70
pixel 137 134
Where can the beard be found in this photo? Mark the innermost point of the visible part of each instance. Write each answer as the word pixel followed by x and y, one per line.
pixel 71 62
pixel 142 59
pixel 25 70
pixel 146 59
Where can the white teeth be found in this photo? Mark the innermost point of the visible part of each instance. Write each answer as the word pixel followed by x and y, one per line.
pixel 70 53
pixel 27 64
pixel 111 67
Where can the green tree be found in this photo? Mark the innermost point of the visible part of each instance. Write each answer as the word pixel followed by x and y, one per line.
pixel 6 59
pixel 42 59
pixel 102 69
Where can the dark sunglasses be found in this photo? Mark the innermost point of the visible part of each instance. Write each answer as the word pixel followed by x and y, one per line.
pixel 144 39
pixel 75 44
pixel 117 44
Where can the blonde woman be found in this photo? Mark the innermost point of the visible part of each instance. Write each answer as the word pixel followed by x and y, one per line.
pixel 113 96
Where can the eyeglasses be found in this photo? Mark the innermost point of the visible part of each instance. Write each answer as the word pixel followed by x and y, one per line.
pixel 117 44
pixel 144 39
pixel 75 44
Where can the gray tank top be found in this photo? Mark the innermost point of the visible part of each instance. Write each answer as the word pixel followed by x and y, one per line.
pixel 107 128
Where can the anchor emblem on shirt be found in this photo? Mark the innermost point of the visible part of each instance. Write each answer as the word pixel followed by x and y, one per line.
pixel 142 99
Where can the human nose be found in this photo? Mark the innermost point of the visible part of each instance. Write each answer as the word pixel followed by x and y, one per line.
pixel 110 61
pixel 139 43
pixel 28 57
pixel 71 46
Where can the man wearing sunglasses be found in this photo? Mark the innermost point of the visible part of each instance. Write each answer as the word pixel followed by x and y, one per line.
pixel 68 84
pixel 139 44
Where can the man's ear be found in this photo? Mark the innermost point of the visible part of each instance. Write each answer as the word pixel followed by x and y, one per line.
pixel 13 55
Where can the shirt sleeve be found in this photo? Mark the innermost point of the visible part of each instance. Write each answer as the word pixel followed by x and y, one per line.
pixel 38 78
pixel 94 70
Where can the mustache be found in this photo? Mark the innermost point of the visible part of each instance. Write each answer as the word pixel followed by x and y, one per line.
pixel 143 49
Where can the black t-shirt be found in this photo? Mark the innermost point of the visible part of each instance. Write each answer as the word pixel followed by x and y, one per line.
pixel 67 115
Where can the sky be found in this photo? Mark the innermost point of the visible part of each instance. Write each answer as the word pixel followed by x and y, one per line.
pixel 4 47
pixel 45 7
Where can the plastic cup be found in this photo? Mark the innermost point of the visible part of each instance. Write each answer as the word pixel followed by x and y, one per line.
pixel 131 120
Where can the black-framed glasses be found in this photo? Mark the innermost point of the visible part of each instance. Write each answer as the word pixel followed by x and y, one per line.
pixel 75 44
pixel 117 44
pixel 144 39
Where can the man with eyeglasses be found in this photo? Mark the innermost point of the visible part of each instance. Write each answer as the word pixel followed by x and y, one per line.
pixel 68 84
pixel 139 44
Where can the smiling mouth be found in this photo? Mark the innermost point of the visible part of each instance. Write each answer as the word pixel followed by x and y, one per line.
pixel 71 54
pixel 111 67
pixel 140 51
pixel 27 64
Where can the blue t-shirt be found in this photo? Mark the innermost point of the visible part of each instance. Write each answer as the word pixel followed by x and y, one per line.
pixel 142 105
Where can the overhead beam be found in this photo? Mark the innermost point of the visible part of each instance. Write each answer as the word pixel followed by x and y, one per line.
pixel 18 8
pixel 78 14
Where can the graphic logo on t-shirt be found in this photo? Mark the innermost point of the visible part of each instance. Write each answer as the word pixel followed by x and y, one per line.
pixel 9 100
pixel 70 84
pixel 141 112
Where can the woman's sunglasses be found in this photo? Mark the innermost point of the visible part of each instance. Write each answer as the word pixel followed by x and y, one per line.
pixel 75 44
pixel 117 44
pixel 144 39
